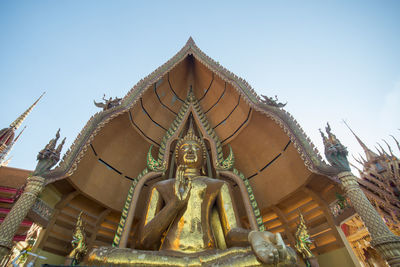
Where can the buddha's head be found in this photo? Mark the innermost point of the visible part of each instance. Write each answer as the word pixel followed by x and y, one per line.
pixel 190 151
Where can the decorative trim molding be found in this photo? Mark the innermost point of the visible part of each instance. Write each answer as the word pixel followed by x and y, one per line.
pixel 42 209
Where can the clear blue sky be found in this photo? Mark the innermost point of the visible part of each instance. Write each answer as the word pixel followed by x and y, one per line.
pixel 331 60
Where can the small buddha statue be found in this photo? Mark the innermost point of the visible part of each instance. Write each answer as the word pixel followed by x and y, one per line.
pixel 177 227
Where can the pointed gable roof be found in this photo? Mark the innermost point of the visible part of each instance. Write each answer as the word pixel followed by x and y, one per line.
pixel 302 143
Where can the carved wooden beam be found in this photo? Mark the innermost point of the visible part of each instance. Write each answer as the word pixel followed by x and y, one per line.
pixel 99 221
pixel 319 229
pixel 58 207
pixel 328 215
pixel 66 199
pixel 56 249
pixel 285 223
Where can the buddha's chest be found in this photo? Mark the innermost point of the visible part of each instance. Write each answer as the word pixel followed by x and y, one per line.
pixel 193 224
pixel 198 189
pixel 198 197
pixel 190 231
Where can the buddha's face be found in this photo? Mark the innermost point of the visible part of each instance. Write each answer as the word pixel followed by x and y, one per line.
pixel 190 154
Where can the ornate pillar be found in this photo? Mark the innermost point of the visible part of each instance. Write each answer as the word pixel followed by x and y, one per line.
pixel 9 227
pixel 382 239
pixel 47 158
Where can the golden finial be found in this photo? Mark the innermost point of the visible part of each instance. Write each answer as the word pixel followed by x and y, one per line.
pixel 190 131
pixel 191 98
pixel 15 124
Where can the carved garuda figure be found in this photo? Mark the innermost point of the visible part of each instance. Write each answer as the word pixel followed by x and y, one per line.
pixel 272 102
pixel 108 103
pixel 192 220
pixel 78 242
pixel 303 241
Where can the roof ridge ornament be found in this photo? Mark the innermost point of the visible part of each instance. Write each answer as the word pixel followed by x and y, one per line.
pixel 190 42
pixel 108 103
pixel 191 98
pixel 272 102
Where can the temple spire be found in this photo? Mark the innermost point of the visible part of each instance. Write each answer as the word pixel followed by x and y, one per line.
pixel 7 134
pixel 16 139
pixel 17 123
pixel 369 154
pixel 7 150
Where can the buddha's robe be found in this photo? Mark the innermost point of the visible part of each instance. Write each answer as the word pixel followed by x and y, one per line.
pixel 190 240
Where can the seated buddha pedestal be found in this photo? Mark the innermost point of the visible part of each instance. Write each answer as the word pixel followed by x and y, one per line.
pixel 192 221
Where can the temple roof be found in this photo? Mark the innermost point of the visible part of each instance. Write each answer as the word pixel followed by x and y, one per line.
pixel 282 167
pixel 270 147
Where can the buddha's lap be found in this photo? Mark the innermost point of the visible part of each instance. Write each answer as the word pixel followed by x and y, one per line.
pixel 236 256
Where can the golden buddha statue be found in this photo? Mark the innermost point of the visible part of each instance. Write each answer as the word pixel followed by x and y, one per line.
pixel 192 220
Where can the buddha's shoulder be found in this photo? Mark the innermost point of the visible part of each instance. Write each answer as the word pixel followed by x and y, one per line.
pixel 206 179
pixel 164 183
pixel 210 180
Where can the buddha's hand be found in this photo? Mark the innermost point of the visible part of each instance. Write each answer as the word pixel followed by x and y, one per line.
pixel 270 249
pixel 182 186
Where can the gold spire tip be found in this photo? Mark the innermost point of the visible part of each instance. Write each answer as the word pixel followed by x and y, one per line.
pixel 17 123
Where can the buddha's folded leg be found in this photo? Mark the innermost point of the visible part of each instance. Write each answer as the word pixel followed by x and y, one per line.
pixel 238 256
pixel 106 256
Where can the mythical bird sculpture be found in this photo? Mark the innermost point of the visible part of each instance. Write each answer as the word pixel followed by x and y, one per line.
pixel 78 243
pixel 303 241
pixel 108 103
pixel 272 102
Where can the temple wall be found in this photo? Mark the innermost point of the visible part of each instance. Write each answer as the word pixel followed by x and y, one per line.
pixel 50 196
pixel 51 258
pixel 339 257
